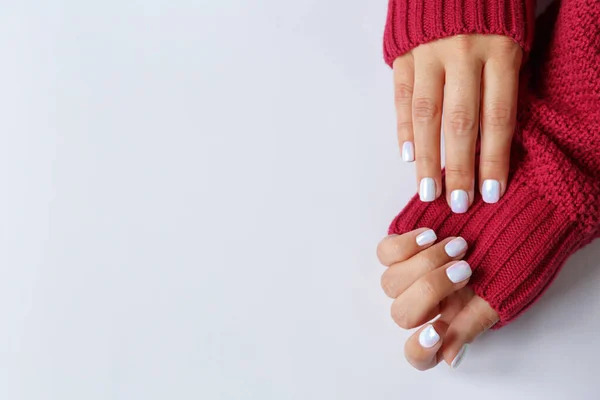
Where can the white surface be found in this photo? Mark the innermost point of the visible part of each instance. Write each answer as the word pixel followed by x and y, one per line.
pixel 193 193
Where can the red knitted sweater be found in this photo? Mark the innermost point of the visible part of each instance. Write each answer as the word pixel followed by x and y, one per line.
pixel 552 204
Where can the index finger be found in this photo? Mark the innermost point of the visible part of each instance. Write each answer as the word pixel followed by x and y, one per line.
pixel 397 248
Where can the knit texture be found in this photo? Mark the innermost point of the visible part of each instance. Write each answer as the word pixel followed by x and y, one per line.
pixel 552 204
pixel 414 22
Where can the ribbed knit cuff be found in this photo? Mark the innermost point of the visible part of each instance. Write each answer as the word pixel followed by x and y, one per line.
pixel 414 22
pixel 516 246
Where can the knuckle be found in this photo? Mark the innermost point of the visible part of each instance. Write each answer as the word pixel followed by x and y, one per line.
pixel 458 171
pixel 483 321
pixel 462 122
pixel 425 109
pixel 400 314
pixel 388 285
pixel 390 251
pixel 428 290
pixel 490 162
pixel 382 251
pixel 403 93
pixel 425 161
pixel 463 44
pixel 404 128
pixel 505 48
pixel 497 114
pixel 425 261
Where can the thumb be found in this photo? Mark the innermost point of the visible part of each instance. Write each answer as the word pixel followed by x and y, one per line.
pixel 475 318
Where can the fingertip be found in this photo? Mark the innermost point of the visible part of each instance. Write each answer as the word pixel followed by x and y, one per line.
pixel 422 349
pixel 458 358
pixel 426 237
pixel 491 191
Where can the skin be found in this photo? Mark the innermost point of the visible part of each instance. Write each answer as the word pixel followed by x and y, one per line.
pixel 415 278
pixel 473 80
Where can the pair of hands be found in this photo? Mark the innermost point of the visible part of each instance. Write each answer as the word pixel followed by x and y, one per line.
pixel 474 79
pixel 427 279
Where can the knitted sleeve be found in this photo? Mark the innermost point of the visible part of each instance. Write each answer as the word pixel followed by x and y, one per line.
pixel 414 22
pixel 551 207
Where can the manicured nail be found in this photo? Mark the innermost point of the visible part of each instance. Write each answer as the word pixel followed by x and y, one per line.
pixel 459 357
pixel 490 191
pixel 428 337
pixel 408 152
pixel 456 246
pixel 427 190
pixel 426 238
pixel 459 272
pixel 459 201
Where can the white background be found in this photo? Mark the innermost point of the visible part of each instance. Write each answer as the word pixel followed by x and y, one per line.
pixel 192 193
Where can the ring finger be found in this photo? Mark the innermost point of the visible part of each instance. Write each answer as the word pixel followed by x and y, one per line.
pixel 461 125
pixel 420 302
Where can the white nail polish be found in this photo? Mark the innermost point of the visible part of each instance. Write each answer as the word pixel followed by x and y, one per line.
pixel 490 191
pixel 459 201
pixel 408 152
pixel 459 357
pixel 456 246
pixel 426 238
pixel 459 272
pixel 428 337
pixel 427 190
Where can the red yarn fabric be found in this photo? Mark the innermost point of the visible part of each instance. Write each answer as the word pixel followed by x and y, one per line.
pixel 414 22
pixel 552 204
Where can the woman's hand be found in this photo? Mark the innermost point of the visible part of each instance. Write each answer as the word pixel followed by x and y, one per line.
pixel 474 80
pixel 427 279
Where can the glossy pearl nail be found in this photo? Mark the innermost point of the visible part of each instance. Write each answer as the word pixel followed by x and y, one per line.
pixel 456 246
pixel 459 357
pixel 408 152
pixel 427 190
pixel 490 191
pixel 459 272
pixel 459 201
pixel 426 238
pixel 428 337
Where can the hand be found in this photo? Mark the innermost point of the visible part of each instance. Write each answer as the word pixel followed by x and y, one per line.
pixel 426 280
pixel 474 80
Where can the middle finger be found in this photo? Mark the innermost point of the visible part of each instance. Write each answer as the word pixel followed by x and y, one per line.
pixel 461 126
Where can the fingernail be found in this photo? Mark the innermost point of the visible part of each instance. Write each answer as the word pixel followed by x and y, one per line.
pixel 490 191
pixel 426 238
pixel 408 152
pixel 428 337
pixel 427 190
pixel 459 272
pixel 459 357
pixel 455 247
pixel 459 201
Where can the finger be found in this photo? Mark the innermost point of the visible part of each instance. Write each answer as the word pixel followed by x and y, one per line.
pixel 427 113
pixel 461 124
pixel 397 248
pixel 400 276
pixel 421 348
pixel 420 302
pixel 403 93
pixel 498 118
pixel 475 318
pixel 453 304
